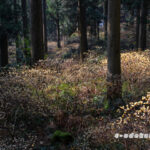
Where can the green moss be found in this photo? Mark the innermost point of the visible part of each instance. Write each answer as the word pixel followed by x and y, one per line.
pixel 62 137
pixel 125 86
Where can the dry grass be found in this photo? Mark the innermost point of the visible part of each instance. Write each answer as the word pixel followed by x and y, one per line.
pixel 68 95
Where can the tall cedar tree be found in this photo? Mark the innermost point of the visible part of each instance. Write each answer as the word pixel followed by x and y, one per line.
pixel 114 62
pixel 82 28
pixel 56 14
pixel 37 30
pixel 58 3
pixel 137 25
pixel 25 30
pixel 3 49
pixel 45 25
pixel 105 17
pixel 7 29
pixel 143 25
pixel 17 32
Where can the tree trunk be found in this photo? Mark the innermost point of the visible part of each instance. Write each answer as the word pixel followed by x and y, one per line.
pixel 94 28
pixel 17 40
pixel 25 30
pixel 114 62
pixel 3 50
pixel 37 30
pixel 91 31
pixel 58 32
pixel 143 26
pixel 98 31
pixel 45 26
pixel 105 18
pixel 25 21
pixel 137 26
pixel 82 29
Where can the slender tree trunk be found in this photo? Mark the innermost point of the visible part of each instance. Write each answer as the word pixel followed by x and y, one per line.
pixel 94 28
pixel 83 29
pixel 37 30
pixel 98 31
pixel 58 32
pixel 143 26
pixel 114 62
pixel 137 26
pixel 18 53
pixel 91 31
pixel 3 50
pixel 25 31
pixel 29 7
pixel 105 18
pixel 25 21
pixel 45 26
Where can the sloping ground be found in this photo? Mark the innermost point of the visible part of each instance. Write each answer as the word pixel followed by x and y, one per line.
pixel 58 94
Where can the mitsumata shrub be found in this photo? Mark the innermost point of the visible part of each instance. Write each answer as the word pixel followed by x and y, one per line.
pixel 69 96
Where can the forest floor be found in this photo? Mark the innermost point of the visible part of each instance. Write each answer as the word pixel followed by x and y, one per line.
pixel 60 104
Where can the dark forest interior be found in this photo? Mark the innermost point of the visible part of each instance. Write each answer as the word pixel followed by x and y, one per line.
pixel 74 75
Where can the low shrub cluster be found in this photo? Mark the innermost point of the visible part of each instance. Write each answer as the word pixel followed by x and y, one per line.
pixel 68 96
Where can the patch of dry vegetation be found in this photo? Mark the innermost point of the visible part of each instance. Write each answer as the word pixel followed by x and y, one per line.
pixel 66 95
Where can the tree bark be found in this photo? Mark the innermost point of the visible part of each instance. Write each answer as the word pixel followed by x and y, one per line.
pixel 94 28
pixel 143 26
pixel 137 26
pixel 25 21
pixel 45 26
pixel 105 18
pixel 25 30
pixel 58 25
pixel 82 29
pixel 114 63
pixel 37 30
pixel 18 60
pixel 58 32
pixel 98 31
pixel 3 50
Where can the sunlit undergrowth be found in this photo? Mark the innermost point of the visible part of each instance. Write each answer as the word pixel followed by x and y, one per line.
pixel 67 95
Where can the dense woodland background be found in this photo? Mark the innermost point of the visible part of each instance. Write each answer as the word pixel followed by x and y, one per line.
pixel 73 73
